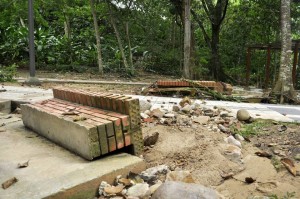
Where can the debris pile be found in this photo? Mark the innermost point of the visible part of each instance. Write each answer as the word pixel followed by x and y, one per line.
pixel 156 182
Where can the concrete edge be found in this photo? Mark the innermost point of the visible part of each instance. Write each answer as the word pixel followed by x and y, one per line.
pixel 89 190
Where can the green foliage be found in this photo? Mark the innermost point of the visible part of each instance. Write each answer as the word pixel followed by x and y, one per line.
pixel 7 73
pixel 253 128
pixel 288 195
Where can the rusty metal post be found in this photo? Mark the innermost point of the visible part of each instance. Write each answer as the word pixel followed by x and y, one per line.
pixel 267 73
pixel 294 75
pixel 248 65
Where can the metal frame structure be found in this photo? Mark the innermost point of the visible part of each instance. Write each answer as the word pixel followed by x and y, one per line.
pixel 269 47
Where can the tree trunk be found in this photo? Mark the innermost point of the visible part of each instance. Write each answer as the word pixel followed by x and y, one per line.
pixel 187 39
pixel 215 65
pixel 118 37
pixel 129 45
pixel 284 84
pixel 97 35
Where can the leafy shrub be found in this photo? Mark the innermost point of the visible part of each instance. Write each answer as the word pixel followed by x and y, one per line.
pixel 7 73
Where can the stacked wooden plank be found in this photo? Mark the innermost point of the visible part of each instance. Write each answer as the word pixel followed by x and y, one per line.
pixel 108 122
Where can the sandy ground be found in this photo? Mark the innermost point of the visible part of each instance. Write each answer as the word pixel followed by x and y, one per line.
pixel 203 152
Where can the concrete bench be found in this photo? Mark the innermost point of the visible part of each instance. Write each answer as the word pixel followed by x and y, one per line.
pixel 87 123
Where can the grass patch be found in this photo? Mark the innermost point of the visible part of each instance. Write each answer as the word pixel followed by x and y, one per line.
pixel 288 195
pixel 253 128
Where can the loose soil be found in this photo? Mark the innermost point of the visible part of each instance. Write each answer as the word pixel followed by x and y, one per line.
pixel 201 150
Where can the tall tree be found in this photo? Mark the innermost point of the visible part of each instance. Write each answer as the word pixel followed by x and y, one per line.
pixel 97 35
pixel 216 13
pixel 284 84
pixel 187 39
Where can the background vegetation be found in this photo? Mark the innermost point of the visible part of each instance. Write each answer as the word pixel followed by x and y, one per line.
pixel 65 38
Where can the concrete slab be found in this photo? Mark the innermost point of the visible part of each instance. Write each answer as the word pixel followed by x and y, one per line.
pixel 5 106
pixel 54 172
pixel 25 94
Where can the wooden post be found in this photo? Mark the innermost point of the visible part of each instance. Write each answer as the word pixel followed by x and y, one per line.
pixel 248 64
pixel 267 73
pixel 296 50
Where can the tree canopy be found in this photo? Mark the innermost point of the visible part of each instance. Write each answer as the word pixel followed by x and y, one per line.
pixel 146 35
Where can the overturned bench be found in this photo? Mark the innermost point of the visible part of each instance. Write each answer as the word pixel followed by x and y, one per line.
pixel 89 124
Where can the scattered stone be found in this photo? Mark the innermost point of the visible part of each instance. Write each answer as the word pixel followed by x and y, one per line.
pixel 152 172
pixel 101 188
pixel 180 190
pixel 151 139
pixel 153 188
pixel 233 141
pixel 144 105
pixel 239 137
pixel 224 114
pixel 181 176
pixel 157 113
pixel 242 115
pixel 113 190
pixel 140 190
pixel 227 176
pixel 263 154
pixel 186 109
pixel 23 165
pixel 223 128
pixel 9 182
pixel 169 115
pixel 144 116
pixel 282 128
pixel 201 119
pixel 185 100
pixel 233 153
pixel 176 108
pixel 126 182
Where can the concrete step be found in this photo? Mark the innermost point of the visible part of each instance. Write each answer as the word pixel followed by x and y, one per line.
pixel 54 172
pixel 5 106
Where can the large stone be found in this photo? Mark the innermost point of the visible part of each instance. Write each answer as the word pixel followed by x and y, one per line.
pixel 140 190
pixel 242 115
pixel 233 141
pixel 187 108
pixel 180 190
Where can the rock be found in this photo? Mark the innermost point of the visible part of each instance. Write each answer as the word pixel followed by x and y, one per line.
pixel 186 109
pixel 239 137
pixel 102 186
pixel 144 105
pixel 180 190
pixel 197 103
pixel 125 181
pixel 150 175
pixel 151 139
pixel 113 190
pixel 158 113
pixel 144 116
pixel 140 190
pixel 223 113
pixel 201 119
pixel 176 108
pixel 169 115
pixel 185 100
pixel 148 112
pixel 223 128
pixel 233 153
pixel 182 176
pixel 242 115
pixel 153 188
pixel 233 141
